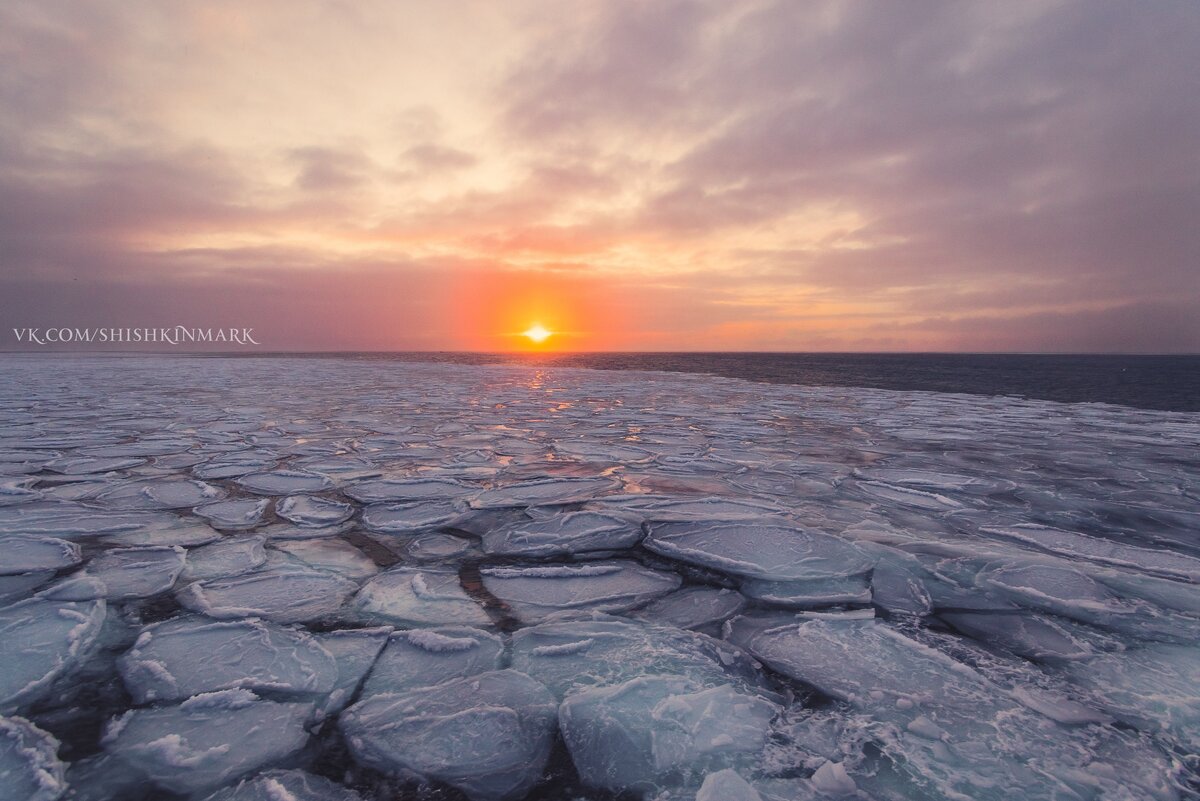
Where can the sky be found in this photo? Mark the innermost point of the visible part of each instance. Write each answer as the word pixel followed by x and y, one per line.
pixel 817 176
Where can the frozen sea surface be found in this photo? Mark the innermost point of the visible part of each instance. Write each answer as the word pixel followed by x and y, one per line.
pixel 344 579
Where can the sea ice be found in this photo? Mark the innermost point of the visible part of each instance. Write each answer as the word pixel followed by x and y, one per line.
pixel 488 735
pixel 533 593
pixel 424 657
pixel 127 573
pixel 85 465
pixel 575 654
pixel 419 597
pixel 726 785
pixel 770 552
pixel 572 532
pixel 544 492
pixel 1054 588
pixel 408 489
pixel 410 517
pixel 158 493
pixel 435 547
pixel 355 651
pixel 29 766
pixel 285 482
pixel 334 555
pixel 809 594
pixel 17 587
pixel 632 735
pixel 282 594
pixel 285 785
pixel 228 557
pixel 1156 687
pixel 1032 636
pixel 313 511
pixel 208 740
pixel 237 514
pixel 28 554
pixel 1081 546
pixel 42 641
pixel 186 656
pixel 692 607
pixel 74 521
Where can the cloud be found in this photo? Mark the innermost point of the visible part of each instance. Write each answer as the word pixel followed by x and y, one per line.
pixel 833 175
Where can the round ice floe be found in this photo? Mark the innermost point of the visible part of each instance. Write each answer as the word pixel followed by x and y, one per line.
pixel 283 594
pixel 489 735
pixel 313 511
pixel 432 547
pixel 1032 636
pixel 286 482
pixel 1055 588
pixel 237 514
pixel 630 736
pixel 809 594
pixel 608 586
pixel 692 607
pixel 29 765
pixel 72 520
pixel 41 641
pixel 401 518
pixel 570 655
pixel 868 663
pixel 408 489
pixel 84 465
pixel 208 740
pixel 188 656
pixel 158 493
pixel 230 557
pixel 425 657
pixel 285 785
pixel 27 554
pixel 572 532
pixel 771 552
pixel 545 492
pixel 225 467
pixel 334 555
pixel 419 597
pixel 137 572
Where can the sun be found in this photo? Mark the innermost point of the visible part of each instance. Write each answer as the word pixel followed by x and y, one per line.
pixel 537 333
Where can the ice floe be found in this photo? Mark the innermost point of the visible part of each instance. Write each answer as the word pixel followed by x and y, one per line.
pixel 179 658
pixel 284 594
pixel 29 766
pixel 208 740
pixel 419 597
pixel 488 735
pixel 42 641
pixel 533 593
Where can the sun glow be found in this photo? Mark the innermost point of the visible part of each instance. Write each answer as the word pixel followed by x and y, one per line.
pixel 537 333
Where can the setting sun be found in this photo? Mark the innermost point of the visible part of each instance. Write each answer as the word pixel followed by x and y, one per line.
pixel 537 333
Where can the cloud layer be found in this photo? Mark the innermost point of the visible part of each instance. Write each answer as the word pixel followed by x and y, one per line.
pixel 675 175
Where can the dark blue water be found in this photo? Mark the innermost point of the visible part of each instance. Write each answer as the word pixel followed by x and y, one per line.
pixel 1149 382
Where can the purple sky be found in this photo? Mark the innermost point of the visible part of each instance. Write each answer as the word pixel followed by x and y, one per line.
pixel 661 175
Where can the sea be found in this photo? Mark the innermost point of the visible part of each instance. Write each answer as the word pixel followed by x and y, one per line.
pixel 1169 383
